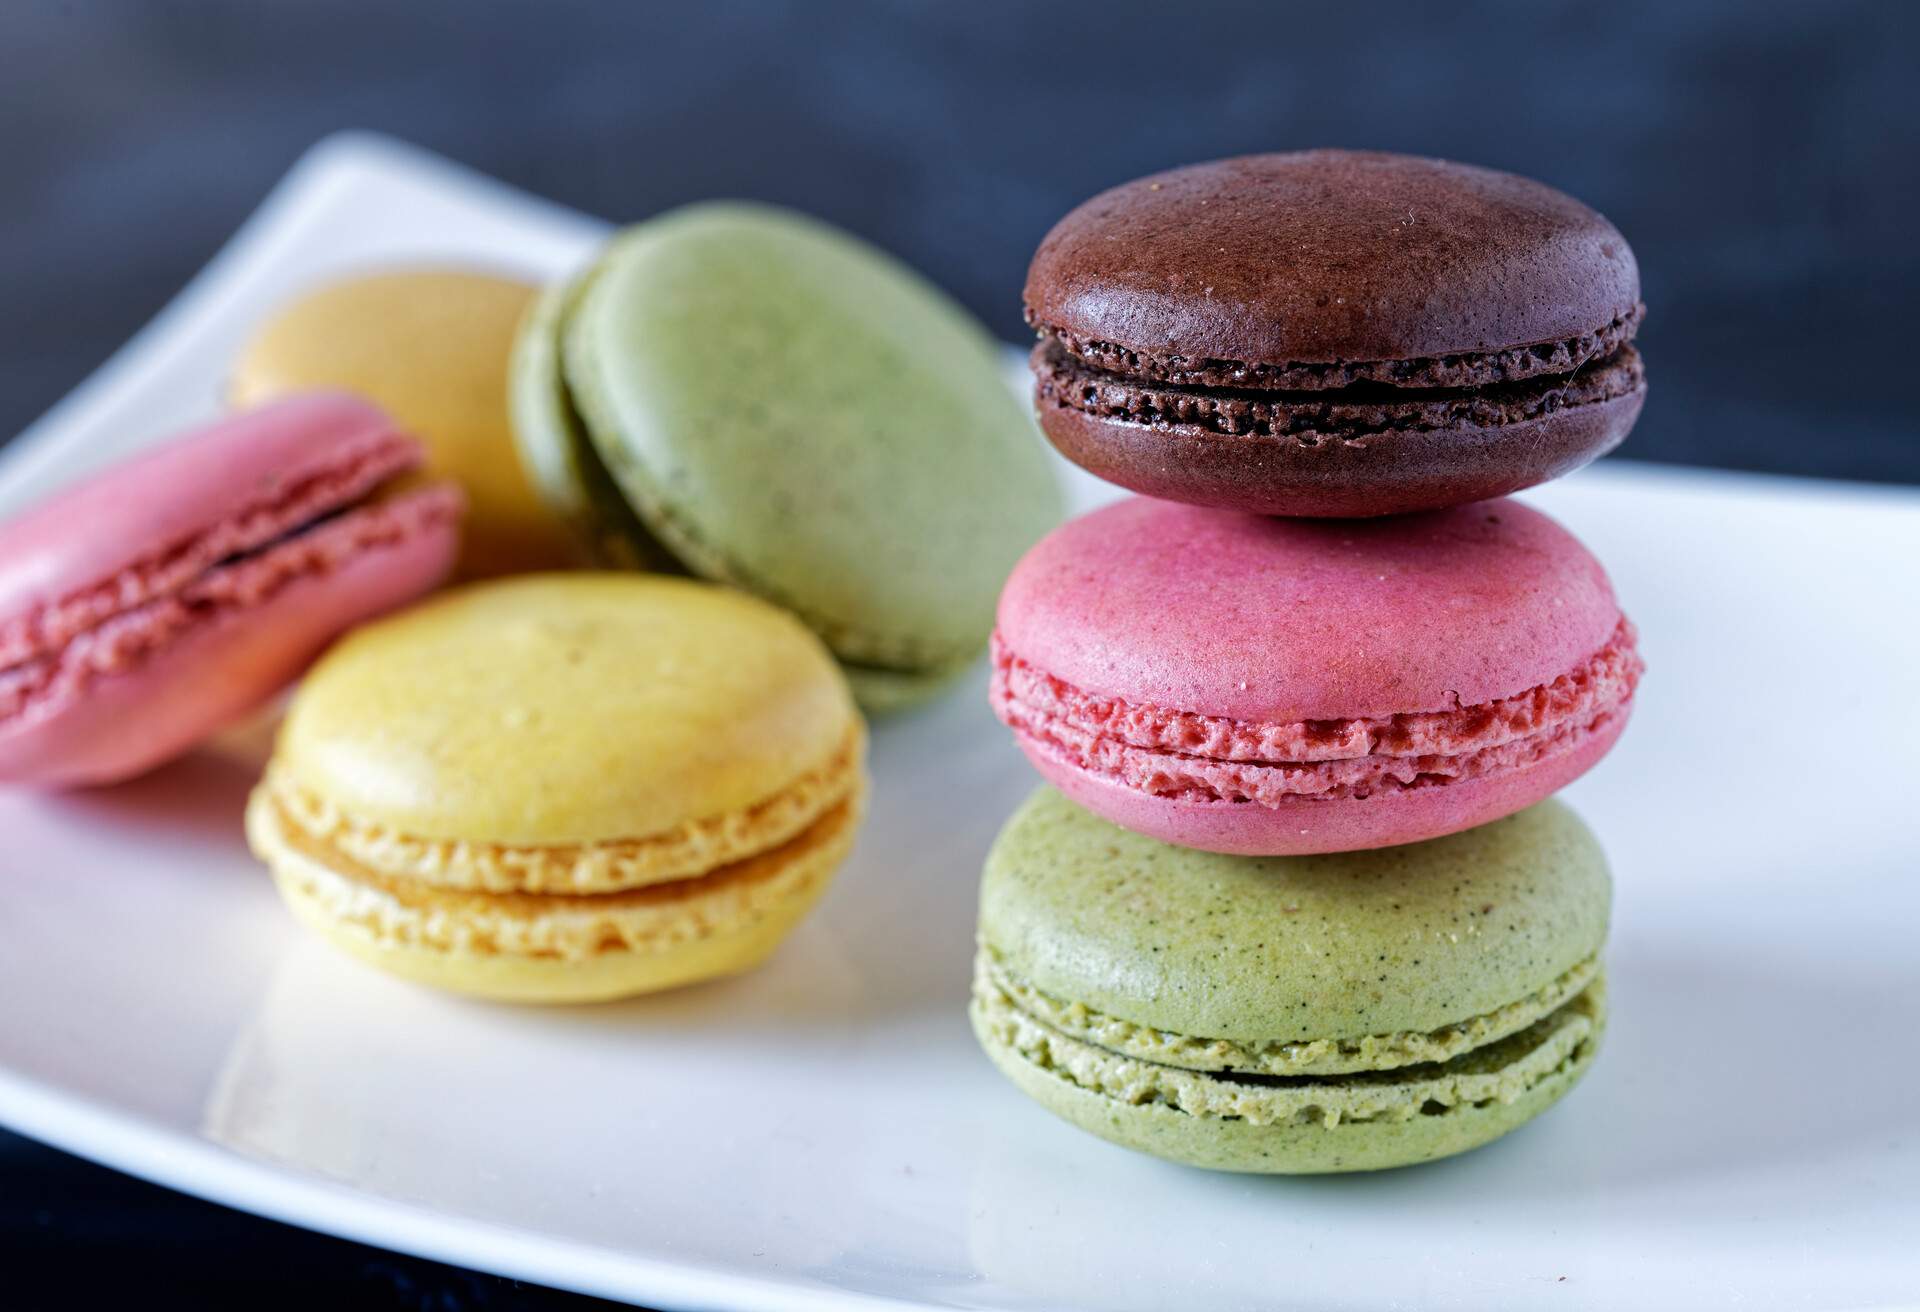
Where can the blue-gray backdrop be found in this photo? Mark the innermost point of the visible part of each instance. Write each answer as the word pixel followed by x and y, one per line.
pixel 1764 159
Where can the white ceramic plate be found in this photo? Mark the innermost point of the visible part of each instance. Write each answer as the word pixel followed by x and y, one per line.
pixel 824 1134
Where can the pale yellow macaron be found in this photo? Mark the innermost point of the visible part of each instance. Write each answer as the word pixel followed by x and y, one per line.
pixel 565 787
pixel 430 347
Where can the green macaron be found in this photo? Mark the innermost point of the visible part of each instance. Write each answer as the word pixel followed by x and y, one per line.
pixel 788 410
pixel 559 460
pixel 1292 1015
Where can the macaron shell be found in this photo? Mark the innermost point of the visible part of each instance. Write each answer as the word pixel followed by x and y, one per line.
pixel 793 412
pixel 1389 473
pixel 562 709
pixel 128 723
pixel 554 449
pixel 1222 1144
pixel 1331 256
pixel 1223 614
pixel 1285 949
pixel 606 978
pixel 174 492
pixel 1304 826
pixel 431 347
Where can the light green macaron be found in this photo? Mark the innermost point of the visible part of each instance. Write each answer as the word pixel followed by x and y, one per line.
pixel 788 410
pixel 554 451
pixel 1292 1015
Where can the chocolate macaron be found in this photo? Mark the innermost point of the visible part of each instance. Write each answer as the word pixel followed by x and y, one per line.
pixel 1334 333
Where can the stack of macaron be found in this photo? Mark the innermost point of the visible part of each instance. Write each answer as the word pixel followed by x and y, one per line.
pixel 581 775
pixel 1297 898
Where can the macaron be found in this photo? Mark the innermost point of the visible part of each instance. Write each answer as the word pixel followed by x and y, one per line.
pixel 1283 686
pixel 565 787
pixel 1291 1015
pixel 147 607
pixel 556 452
pixel 792 412
pixel 430 346
pixel 1334 333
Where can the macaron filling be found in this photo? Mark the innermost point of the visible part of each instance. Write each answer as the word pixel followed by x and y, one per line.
pixel 1001 987
pixel 1468 369
pixel 691 850
pixel 1353 413
pixel 308 526
pixel 1501 1071
pixel 399 911
pixel 702 880
pixel 1195 757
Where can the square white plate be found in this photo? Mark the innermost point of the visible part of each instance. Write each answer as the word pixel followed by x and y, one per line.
pixel 824 1134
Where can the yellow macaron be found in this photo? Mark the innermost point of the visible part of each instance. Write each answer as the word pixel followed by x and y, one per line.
pixel 565 787
pixel 430 347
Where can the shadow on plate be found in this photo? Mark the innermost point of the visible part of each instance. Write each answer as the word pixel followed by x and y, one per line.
pixel 199 798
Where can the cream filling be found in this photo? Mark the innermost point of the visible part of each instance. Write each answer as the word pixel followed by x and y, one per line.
pixel 1501 1072
pixel 687 851
pixel 1373 1052
pixel 398 913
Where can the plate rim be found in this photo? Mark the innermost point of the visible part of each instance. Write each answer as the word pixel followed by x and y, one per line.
pixel 198 1167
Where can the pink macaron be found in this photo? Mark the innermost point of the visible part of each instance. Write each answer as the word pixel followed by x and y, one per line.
pixel 152 604
pixel 1287 686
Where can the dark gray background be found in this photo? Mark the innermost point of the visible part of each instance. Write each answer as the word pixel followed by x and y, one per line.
pixel 1763 159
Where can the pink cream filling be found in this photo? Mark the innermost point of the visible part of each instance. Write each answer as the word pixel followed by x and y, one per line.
pixel 127 637
pixel 349 474
pixel 1179 754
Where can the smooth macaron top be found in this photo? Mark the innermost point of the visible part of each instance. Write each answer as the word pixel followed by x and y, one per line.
pixel 1268 620
pixel 792 411
pixel 566 709
pixel 1292 949
pixel 130 528
pixel 1331 257
pixel 431 347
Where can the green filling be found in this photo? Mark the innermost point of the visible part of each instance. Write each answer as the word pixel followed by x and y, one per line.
pixel 1309 1057
pixel 1498 1072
